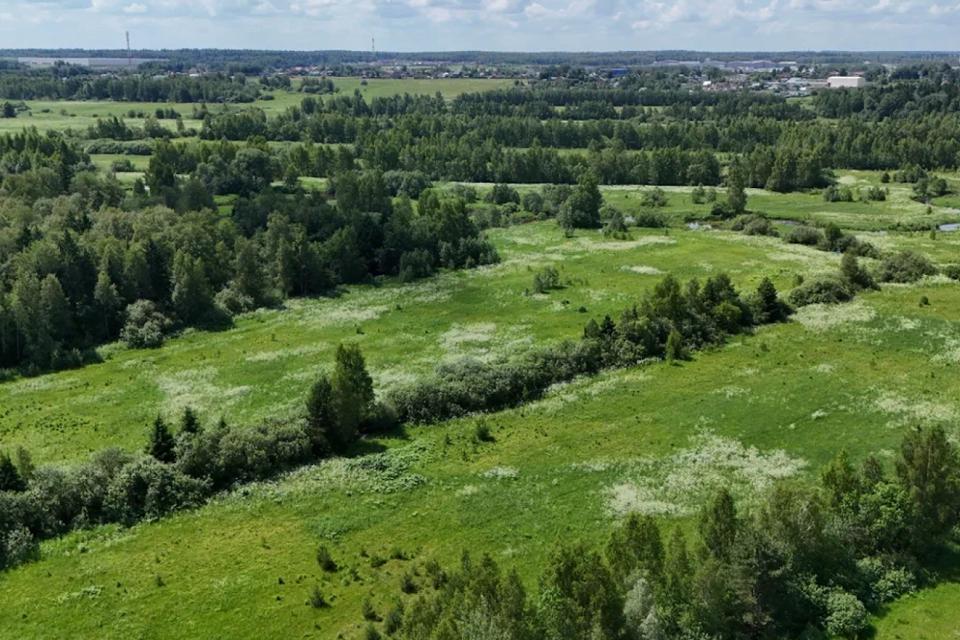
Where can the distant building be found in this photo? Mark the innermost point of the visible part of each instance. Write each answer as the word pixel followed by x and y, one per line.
pixel 93 63
pixel 851 82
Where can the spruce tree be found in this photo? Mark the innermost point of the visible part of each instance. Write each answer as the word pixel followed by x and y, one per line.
pixel 719 526
pixel 189 423
pixel 321 417
pixel 10 479
pixel 161 445
pixel 352 392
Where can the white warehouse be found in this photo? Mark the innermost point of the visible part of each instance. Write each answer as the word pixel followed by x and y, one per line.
pixel 853 82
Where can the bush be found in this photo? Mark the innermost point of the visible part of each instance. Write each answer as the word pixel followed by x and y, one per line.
pixel 649 218
pixel 145 326
pixel 481 431
pixel 952 271
pixel 502 194
pixel 846 615
pixel 123 165
pixel 368 612
pixel 407 585
pixel 465 192
pixel 804 235
pixel 905 266
pixel 654 198
pixel 753 225
pixel 821 291
pixel 546 280
pixel 231 302
pixel 722 210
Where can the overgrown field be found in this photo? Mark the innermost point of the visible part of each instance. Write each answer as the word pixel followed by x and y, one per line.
pixel 656 439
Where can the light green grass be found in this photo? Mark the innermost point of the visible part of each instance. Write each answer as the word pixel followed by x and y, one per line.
pixel 777 403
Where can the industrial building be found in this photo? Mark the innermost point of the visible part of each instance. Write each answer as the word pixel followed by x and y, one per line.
pixel 849 82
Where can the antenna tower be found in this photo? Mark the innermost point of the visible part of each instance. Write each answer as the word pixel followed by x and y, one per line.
pixel 373 47
pixel 129 55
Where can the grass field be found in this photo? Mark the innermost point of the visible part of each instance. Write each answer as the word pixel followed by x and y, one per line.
pixel 656 439
pixel 48 115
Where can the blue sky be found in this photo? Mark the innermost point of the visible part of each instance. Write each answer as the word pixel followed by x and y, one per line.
pixel 511 25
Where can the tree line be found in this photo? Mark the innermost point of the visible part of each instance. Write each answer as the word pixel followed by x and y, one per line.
pixel 802 561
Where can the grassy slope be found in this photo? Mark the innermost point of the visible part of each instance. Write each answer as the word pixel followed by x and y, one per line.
pixel 793 388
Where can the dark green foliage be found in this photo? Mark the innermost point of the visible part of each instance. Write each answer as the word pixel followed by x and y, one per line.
pixel 10 479
pixel 615 227
pixel 822 291
pixel 804 235
pixel 371 633
pixel 649 219
pixel 736 188
pixel 855 275
pixel 654 198
pixel 481 431
pixel 582 208
pixel 767 306
pixel 393 621
pixel 325 559
pixel 368 612
pixel 316 598
pixel 351 389
pixel 321 415
pixel 546 280
pixel 145 326
pixel 927 468
pixel 407 584
pixel 189 423
pixel 502 194
pixel 753 225
pixel 905 266
pixel 161 443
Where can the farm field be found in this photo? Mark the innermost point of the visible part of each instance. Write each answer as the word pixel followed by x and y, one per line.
pixel 764 407
pixel 47 115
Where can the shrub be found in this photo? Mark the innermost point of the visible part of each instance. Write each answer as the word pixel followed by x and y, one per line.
pixel 753 225
pixel 821 291
pixel 952 271
pixel 722 210
pixel 145 326
pixel 481 431
pixel 654 198
pixel 615 227
pixel 325 559
pixel 532 202
pixel 371 633
pixel 649 218
pixel 407 584
pixel 123 165
pixel 905 266
pixel 804 235
pixel 846 615
pixel 502 194
pixel 546 280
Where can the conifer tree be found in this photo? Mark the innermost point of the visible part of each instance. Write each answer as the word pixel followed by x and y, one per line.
pixel 161 445
pixel 10 479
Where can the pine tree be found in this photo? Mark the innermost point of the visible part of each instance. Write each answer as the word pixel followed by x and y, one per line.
pixel 249 279
pixel 10 479
pixel 192 296
pixel 321 417
pixel 718 525
pixel 189 423
pixel 161 445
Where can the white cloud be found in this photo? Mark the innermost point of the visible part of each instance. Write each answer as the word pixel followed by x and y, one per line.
pixel 135 8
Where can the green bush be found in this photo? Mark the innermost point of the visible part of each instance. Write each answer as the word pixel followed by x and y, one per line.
pixel 821 291
pixel 905 266
pixel 325 559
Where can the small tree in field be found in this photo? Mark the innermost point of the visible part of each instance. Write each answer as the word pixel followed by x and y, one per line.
pixel 321 416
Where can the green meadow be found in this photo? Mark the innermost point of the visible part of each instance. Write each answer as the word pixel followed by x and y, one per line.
pixel 658 439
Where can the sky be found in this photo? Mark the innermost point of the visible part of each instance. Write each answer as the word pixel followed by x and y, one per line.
pixel 503 25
